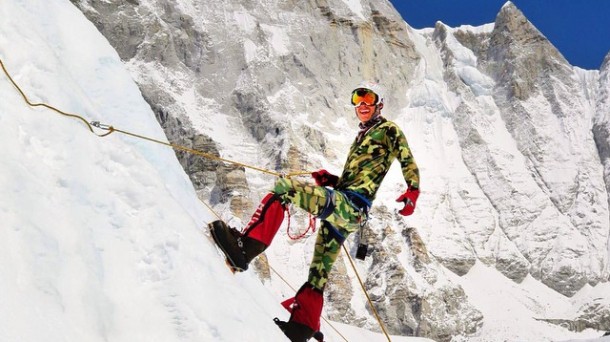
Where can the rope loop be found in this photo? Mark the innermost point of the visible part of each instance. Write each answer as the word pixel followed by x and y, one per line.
pixel 99 125
pixel 311 226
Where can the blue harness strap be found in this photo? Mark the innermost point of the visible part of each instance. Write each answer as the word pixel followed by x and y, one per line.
pixel 329 208
pixel 355 199
pixel 329 205
pixel 334 232
pixel 358 201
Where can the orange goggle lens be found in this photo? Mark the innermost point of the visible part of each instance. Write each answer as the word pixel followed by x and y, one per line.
pixel 367 96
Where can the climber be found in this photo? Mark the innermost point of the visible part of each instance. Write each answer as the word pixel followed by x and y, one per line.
pixel 341 203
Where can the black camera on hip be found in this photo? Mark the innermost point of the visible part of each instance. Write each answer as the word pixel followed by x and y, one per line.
pixel 362 251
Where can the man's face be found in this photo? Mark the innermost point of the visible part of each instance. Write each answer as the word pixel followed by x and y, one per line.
pixel 366 112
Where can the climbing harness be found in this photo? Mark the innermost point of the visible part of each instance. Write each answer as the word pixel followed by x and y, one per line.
pixel 329 205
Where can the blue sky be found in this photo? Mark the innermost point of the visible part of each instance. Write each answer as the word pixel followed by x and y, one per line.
pixel 578 28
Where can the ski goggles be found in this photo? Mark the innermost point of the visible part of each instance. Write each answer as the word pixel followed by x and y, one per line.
pixel 363 95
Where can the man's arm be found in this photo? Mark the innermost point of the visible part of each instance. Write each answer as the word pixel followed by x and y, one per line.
pixel 409 171
pixel 407 163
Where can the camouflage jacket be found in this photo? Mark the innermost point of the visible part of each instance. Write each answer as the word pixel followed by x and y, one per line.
pixel 369 160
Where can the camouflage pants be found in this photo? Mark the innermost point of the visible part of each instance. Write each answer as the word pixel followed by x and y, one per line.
pixel 335 228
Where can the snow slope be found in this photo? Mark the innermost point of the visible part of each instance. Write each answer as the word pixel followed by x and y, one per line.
pixel 102 238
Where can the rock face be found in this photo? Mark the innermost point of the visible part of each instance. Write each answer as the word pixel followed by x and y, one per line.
pixel 401 295
pixel 531 164
pixel 594 315
pixel 601 122
pixel 513 143
pixel 546 107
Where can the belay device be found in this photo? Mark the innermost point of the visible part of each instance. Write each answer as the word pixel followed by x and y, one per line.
pixel 363 248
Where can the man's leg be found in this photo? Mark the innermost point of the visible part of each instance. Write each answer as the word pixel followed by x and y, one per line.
pixel 326 251
pixel 307 305
pixel 308 197
pixel 317 200
pixel 239 248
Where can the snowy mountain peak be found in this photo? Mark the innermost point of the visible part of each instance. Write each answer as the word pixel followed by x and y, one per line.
pixel 518 31
pixel 507 4
pixel 521 56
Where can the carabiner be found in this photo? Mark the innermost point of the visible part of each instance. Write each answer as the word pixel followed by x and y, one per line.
pixel 100 125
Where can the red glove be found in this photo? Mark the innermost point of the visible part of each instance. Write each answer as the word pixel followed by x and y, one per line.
pixel 409 198
pixel 325 178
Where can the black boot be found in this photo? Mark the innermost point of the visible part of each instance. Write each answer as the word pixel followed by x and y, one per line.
pixel 318 336
pixel 296 332
pixel 239 250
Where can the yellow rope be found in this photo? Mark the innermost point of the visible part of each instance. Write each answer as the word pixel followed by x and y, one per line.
pixel 111 129
pixel 25 98
pixel 201 153
pixel 351 261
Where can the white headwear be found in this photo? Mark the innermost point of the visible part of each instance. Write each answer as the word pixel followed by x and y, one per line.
pixel 375 87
